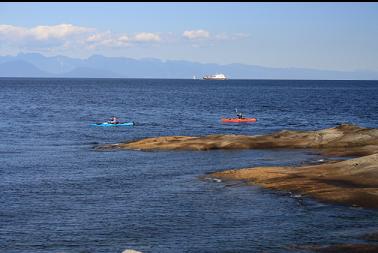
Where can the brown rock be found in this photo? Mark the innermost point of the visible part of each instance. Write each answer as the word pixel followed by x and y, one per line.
pixel 345 140
pixel 352 182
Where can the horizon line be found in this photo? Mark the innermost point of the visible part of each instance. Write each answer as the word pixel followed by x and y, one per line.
pixel 199 79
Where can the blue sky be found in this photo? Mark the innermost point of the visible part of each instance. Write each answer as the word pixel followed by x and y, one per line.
pixel 334 36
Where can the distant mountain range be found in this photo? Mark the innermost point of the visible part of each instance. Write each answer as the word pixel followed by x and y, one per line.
pixel 97 66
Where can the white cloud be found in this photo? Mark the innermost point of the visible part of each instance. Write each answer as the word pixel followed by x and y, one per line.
pixel 70 37
pixel 232 36
pixel 12 32
pixel 57 31
pixel 200 36
pixel 196 34
pixel 107 39
pixel 95 37
pixel 146 37
pixel 124 38
pixel 62 31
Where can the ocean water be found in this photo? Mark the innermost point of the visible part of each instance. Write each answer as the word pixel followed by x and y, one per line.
pixel 58 194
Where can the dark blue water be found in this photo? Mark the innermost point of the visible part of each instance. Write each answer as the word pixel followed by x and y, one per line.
pixel 57 194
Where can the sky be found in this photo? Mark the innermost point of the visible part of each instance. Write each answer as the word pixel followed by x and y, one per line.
pixel 328 36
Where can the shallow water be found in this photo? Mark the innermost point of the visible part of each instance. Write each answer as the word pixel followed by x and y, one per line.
pixel 58 194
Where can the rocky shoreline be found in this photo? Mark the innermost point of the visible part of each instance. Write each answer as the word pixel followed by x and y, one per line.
pixel 343 140
pixel 352 182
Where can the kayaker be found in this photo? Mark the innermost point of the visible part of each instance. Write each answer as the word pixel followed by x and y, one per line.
pixel 240 115
pixel 114 120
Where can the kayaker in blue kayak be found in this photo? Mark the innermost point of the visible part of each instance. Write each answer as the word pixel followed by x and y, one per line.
pixel 113 120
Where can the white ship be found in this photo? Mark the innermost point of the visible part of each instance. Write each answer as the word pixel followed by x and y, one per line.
pixel 215 77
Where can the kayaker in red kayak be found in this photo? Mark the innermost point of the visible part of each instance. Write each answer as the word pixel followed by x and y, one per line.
pixel 239 119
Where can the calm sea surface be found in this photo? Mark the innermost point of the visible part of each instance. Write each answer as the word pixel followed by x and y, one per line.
pixel 58 194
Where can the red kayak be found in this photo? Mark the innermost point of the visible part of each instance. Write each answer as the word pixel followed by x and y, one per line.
pixel 237 120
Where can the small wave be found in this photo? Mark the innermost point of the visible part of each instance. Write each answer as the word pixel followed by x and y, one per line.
pixel 131 251
pixel 294 195
pixel 217 180
pixel 355 206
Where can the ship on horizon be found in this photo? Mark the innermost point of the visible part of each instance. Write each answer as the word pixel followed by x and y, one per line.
pixel 215 77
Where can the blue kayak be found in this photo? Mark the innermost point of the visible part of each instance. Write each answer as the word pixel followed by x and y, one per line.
pixel 107 124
